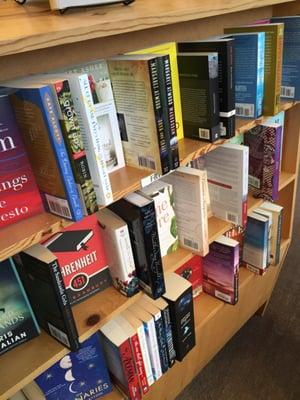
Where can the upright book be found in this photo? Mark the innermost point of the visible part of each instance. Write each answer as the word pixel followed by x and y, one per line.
pixel 20 197
pixel 199 88
pixel 192 270
pixel 226 75
pixel 17 321
pixel 221 270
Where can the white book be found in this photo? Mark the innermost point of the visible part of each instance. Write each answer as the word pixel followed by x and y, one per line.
pixel 268 215
pixel 33 392
pixel 62 4
pixel 18 396
pixel 118 251
pixel 190 208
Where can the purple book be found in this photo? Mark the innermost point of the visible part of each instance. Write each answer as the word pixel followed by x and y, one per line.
pixel 264 142
pixel 221 270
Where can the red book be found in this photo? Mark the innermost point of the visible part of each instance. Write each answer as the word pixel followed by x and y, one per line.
pixel 19 195
pixel 192 271
pixel 80 251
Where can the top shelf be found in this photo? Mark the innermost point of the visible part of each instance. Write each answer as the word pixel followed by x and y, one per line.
pixel 33 26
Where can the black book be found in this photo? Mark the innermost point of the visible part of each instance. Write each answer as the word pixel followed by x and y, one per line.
pixel 139 213
pixel 179 296
pixel 199 88
pixel 43 282
pixel 225 49
pixel 70 240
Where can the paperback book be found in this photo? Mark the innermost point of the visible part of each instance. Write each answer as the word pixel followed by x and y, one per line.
pixel 269 216
pixel 280 120
pixel 192 270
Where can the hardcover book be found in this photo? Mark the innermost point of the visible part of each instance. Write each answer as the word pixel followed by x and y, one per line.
pixel 180 299
pixel 221 270
pixel 189 195
pixel 17 321
pixel 36 114
pixel 273 62
pixel 139 213
pixel 20 197
pixel 192 271
pixel 43 281
pixel 80 252
pixel 119 253
pixel 264 142
pixel 226 75
pixel 78 375
pixel 163 196
pixel 199 88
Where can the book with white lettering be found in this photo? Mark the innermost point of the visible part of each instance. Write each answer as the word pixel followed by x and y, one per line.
pixel 79 249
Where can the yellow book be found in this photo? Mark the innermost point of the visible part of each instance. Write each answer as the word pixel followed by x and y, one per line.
pixel 171 50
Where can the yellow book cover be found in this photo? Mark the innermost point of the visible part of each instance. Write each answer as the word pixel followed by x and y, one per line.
pixel 171 50
pixel 273 62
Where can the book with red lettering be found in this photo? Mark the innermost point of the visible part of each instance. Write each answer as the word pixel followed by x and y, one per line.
pixel 80 251
pixel 19 195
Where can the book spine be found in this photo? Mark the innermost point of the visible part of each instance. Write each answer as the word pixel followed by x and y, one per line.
pixel 260 74
pixel 152 250
pixel 278 135
pixel 265 247
pixel 168 335
pixel 278 72
pixel 155 359
pixel 162 345
pixel 145 355
pixel 70 338
pixel 278 237
pixel 138 358
pixel 203 211
pixel 73 140
pixel 245 161
pixel 61 155
pixel 236 260
pixel 213 99
pixel 125 254
pixel 231 79
pixel 129 371
pixel 158 111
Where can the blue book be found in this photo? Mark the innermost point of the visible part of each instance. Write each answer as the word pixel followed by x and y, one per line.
pixel 290 83
pixel 17 321
pixel 249 73
pixel 79 375
pixel 37 117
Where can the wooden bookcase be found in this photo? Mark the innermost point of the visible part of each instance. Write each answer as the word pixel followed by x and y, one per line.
pixel 33 40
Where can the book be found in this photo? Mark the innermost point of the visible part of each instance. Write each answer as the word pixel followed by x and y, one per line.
pixel 137 324
pixel 237 232
pixel 105 110
pixel 163 196
pixel 119 253
pixel 43 281
pixel 78 375
pixel 249 73
pixel 192 271
pixel 278 119
pixel 136 90
pixel 273 62
pixel 20 197
pixel 33 392
pixel 227 176
pixel 269 216
pixel 80 252
pixel 221 270
pixel 139 213
pixel 36 114
pixel 226 75
pixel 18 396
pixel 264 142
pixel 180 299
pixel 255 254
pixel 290 85
pixel 189 194
pixel 199 88
pixel 151 338
pixel 120 360
pixel 17 320
pixel 276 211
pixel 64 4
pixel 171 50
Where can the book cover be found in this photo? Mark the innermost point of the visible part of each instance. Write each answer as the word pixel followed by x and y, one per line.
pixel 221 270
pixel 226 75
pixel 17 320
pixel 20 197
pixel 81 255
pixel 43 281
pixel 264 142
pixel 192 271
pixel 119 253
pixel 199 88
pixel 237 232
pixel 273 62
pixel 189 194
pixel 180 299
pixel 78 375
pixel 163 196
pixel 139 213
pixel 278 119
pixel 37 117
pixel 249 73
